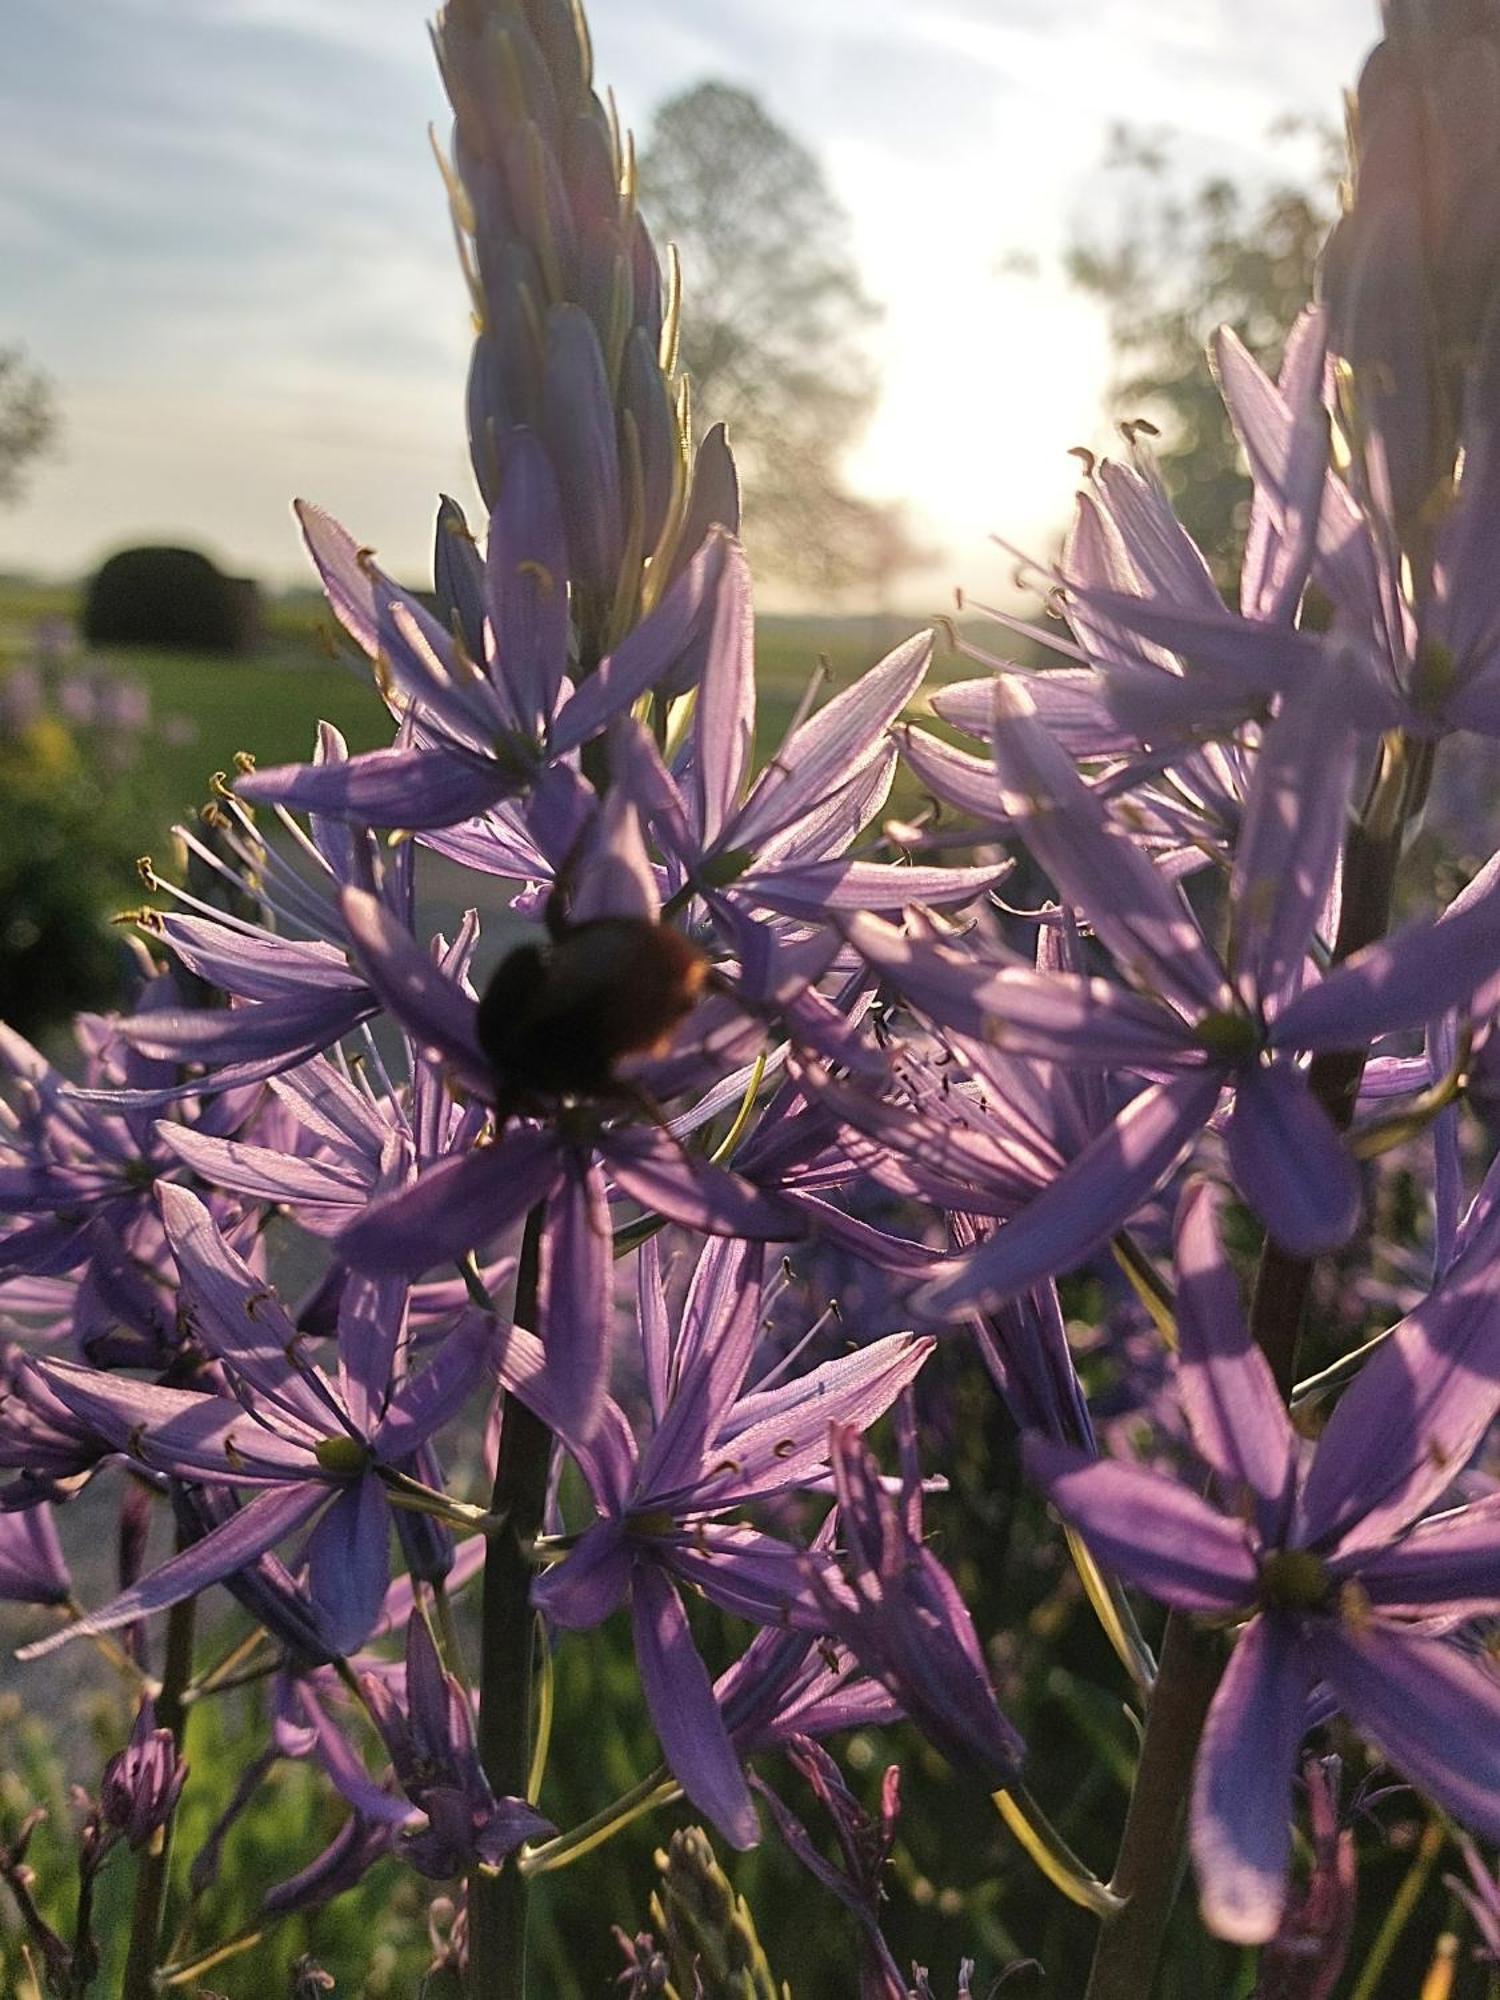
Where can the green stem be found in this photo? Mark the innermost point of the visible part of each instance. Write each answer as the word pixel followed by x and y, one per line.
pixel 497 1902
pixel 655 1789
pixel 1150 1860
pixel 155 1864
pixel 1399 1914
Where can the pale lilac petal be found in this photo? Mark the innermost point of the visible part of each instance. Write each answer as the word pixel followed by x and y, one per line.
pixel 680 1698
pixel 411 788
pixel 434 1010
pixel 1055 1016
pixel 1403 982
pixel 387 623
pixel 253 1529
pixel 812 889
pixel 459 1206
pixel 1241 1817
pixel 1236 1414
pixel 1288 849
pixel 322 1191
pixel 780 1439
pixel 648 652
pixel 1092 1197
pixel 653 1170
pixel 724 725
pixel 1136 911
pixel 576 1297
pixel 1148 1528
pixel 826 749
pixel 1290 1163
pixel 615 877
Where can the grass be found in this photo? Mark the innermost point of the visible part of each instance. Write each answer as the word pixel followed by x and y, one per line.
pixel 205 708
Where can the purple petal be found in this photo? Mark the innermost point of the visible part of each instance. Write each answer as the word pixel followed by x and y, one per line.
pixel 433 1396
pixel 414 788
pixel 1403 982
pixel 526 585
pixel 652 1169
pixel 686 1716
pixel 1432 1710
pixel 453 1208
pixel 256 1527
pixel 1411 1420
pixel 1242 1783
pixel 1290 1163
pixel 435 1011
pixel 576 1297
pixel 349 1563
pixel 178 1430
pixel 606 1458
pixel 236 1314
pixel 589 1583
pixel 1237 1417
pixel 1101 1189
pixel 1449 1562
pixel 1152 1530
pixel 720 1326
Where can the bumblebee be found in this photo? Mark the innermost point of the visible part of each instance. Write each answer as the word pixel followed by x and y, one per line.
pixel 556 1017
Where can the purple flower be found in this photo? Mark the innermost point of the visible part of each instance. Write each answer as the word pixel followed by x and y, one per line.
pixel 473 735
pixel 897 1610
pixel 1187 1019
pixel 313 1449
pixel 143 1782
pixel 430 1738
pixel 662 1507
pixel 1337 1567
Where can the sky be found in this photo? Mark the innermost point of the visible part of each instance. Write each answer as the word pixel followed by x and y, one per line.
pixel 224 236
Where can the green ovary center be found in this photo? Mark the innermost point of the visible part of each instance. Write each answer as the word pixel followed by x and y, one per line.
pixel 342 1454
pixel 1295 1580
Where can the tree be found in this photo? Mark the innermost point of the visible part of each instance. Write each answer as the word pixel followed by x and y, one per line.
pixel 1179 265
pixel 28 418
pixel 771 329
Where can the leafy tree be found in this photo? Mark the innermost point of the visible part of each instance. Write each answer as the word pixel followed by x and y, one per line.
pixel 28 418
pixel 1175 266
pixel 771 330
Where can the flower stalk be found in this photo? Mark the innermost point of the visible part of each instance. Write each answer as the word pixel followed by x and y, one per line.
pixel 498 1900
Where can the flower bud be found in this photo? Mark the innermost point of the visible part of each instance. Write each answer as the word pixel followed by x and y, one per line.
pixel 142 1783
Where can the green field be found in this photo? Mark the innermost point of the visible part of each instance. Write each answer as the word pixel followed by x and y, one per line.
pixel 206 708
